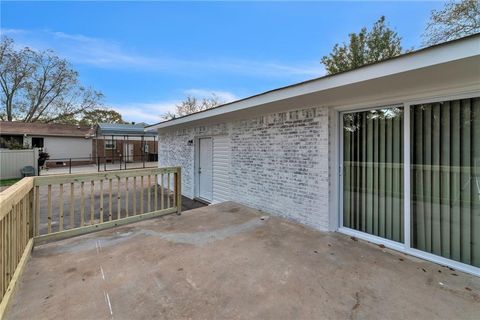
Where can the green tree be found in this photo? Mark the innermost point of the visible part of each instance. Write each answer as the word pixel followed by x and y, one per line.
pixel 455 20
pixel 364 47
pixel 94 117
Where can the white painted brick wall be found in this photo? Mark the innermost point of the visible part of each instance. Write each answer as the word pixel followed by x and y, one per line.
pixel 279 162
pixel 174 150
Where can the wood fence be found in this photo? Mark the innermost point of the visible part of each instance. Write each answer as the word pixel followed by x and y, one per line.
pixel 15 234
pixel 38 209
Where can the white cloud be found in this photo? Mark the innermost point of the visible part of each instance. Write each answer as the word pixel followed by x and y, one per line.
pixel 78 48
pixel 148 112
pixel 151 112
pixel 111 54
pixel 270 69
pixel 12 32
pixel 104 53
pixel 224 96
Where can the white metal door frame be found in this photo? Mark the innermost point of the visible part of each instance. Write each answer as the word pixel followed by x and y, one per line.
pixel 197 167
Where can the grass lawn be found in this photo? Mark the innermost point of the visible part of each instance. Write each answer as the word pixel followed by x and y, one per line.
pixel 8 182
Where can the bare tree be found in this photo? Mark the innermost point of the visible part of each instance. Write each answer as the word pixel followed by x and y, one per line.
pixel 192 104
pixel 15 68
pixel 40 86
pixel 455 20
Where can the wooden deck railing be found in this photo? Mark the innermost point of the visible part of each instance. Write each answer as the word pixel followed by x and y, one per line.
pixel 38 209
pixel 15 233
pixel 78 203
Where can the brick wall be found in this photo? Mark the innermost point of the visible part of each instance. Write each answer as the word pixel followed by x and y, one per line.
pixel 174 149
pixel 279 162
pixel 118 152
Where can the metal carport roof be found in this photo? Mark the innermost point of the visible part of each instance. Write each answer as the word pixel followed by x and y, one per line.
pixel 121 129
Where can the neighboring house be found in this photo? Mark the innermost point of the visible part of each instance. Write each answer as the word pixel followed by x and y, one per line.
pixel 124 142
pixel 107 142
pixel 389 152
pixel 60 141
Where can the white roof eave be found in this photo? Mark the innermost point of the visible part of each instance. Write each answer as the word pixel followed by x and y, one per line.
pixel 455 50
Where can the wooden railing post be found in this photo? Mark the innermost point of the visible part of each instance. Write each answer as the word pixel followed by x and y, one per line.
pixel 16 231
pixel 178 189
pixel 31 213
pixel 37 211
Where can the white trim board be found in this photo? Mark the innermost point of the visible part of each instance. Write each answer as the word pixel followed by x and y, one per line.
pixel 400 247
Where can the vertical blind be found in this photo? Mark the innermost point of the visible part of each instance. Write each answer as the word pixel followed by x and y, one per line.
pixel 373 172
pixel 445 179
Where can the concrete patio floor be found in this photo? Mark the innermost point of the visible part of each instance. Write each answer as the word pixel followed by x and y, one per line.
pixel 227 261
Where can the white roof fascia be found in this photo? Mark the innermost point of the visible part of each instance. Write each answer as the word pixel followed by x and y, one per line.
pixel 455 50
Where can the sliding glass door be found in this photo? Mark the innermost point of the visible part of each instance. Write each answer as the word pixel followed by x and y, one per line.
pixel 373 172
pixel 445 179
pixel 443 171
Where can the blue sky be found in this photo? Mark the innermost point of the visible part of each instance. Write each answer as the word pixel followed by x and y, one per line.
pixel 147 56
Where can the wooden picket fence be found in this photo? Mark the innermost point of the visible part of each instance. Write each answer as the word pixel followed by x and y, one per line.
pixel 39 209
pixel 15 234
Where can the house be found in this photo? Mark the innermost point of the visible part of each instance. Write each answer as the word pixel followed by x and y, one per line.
pixel 116 142
pixel 106 143
pixel 60 141
pixel 389 153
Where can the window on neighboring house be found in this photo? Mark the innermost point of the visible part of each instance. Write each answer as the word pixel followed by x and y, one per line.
pixel 37 142
pixel 6 141
pixel 110 144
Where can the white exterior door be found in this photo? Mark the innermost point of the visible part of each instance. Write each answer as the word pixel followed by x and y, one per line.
pixel 205 176
pixel 128 152
pixel 221 169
